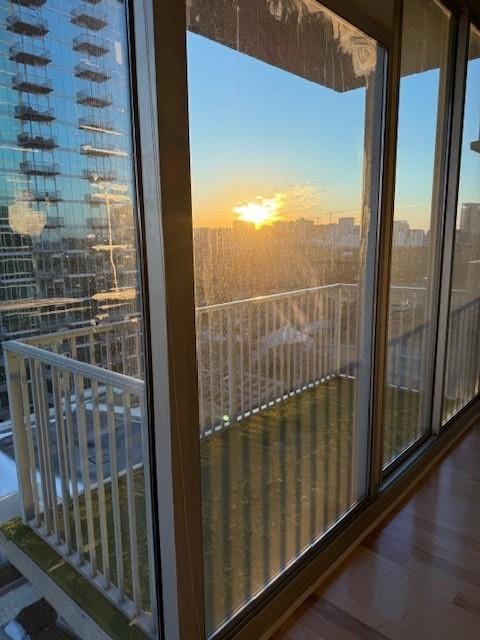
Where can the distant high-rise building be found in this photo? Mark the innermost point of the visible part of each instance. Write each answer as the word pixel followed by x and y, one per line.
pixel 404 236
pixel 67 247
pixel 470 219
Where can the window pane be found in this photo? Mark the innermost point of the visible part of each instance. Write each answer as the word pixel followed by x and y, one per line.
pixel 70 301
pixel 463 355
pixel 416 218
pixel 285 121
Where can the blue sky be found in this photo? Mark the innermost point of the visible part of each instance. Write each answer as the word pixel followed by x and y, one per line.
pixel 256 131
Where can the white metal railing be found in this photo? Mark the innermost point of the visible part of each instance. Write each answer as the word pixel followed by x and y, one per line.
pixel 253 353
pixel 80 450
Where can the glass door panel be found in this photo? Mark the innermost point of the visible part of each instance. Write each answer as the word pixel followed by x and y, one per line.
pixel 285 106
pixel 72 397
pixel 425 46
pixel 463 355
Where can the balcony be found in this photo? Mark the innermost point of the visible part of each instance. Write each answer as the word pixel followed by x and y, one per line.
pixel 32 4
pixel 92 20
pixel 99 176
pixel 28 113
pixel 29 141
pixel 92 201
pixel 26 25
pixel 54 222
pixel 102 152
pixel 92 98
pixel 42 196
pixel 24 53
pixel 32 84
pixel 91 45
pixel 40 169
pixel 90 123
pixel 91 72
pixel 261 361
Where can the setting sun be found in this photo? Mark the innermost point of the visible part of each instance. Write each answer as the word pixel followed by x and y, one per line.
pixel 259 212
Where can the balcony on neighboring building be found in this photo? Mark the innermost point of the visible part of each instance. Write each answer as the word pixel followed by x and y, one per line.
pixel 92 201
pixel 90 123
pixel 29 141
pixel 91 45
pixel 54 222
pixel 29 113
pixel 42 196
pixel 26 25
pixel 93 98
pixel 28 54
pixel 30 83
pixel 87 71
pixel 99 176
pixel 32 4
pixel 102 152
pixel 97 223
pixel 40 169
pixel 93 20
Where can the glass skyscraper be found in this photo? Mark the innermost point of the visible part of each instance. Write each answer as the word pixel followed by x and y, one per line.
pixel 67 246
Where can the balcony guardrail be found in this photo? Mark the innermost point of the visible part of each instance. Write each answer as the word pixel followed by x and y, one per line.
pixel 31 141
pixel 89 18
pixel 31 83
pixel 29 3
pixel 40 168
pixel 26 25
pixel 94 98
pixel 91 72
pixel 93 45
pixel 90 123
pixel 99 176
pixel 60 406
pixel 28 54
pixel 102 152
pixel 26 112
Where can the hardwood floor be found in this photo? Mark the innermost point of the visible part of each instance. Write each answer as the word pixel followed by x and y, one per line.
pixel 417 577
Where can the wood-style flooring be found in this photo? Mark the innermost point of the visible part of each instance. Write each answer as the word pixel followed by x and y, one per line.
pixel 417 577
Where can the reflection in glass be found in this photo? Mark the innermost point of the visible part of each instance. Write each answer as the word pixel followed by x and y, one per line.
pixel 285 118
pixel 72 390
pixel 463 356
pixel 425 41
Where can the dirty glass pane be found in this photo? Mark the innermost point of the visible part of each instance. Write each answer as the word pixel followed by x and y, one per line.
pixel 285 114
pixel 72 407
pixel 462 374
pixel 417 214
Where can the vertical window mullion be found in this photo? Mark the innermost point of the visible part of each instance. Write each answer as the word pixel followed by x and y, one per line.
pixel 163 135
pixel 385 251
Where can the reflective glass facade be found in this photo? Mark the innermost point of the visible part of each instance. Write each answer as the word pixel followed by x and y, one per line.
pixel 67 245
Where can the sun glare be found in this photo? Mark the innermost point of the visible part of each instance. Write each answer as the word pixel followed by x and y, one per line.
pixel 259 212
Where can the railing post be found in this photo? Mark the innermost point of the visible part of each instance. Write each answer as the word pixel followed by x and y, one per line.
pixel 232 381
pixel 338 332
pixel 12 369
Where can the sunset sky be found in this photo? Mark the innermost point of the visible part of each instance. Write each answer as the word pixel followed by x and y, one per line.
pixel 260 135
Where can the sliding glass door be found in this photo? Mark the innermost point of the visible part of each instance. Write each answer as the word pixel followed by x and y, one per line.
pixel 463 354
pixel 416 225
pixel 285 109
